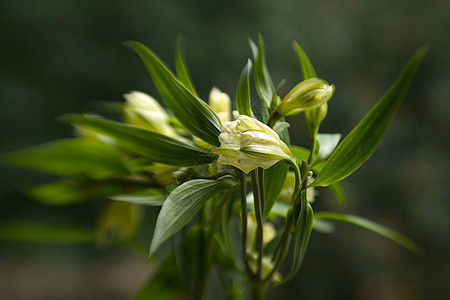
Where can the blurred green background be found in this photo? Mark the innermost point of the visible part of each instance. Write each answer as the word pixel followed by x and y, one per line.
pixel 60 56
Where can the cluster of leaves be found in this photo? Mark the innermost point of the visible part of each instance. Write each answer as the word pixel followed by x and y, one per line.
pixel 134 166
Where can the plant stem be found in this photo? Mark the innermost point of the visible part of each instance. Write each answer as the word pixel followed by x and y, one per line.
pixel 258 194
pixel 259 290
pixel 243 186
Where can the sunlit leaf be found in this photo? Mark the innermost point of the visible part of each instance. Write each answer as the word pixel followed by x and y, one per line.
pixel 362 141
pixel 309 72
pixel 195 115
pixel 372 226
pixel 152 145
pixel 72 157
pixel 243 92
pixel 182 69
pixel 307 68
pixel 21 231
pixel 183 203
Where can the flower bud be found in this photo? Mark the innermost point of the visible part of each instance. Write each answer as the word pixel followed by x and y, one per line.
pixel 307 94
pixel 144 111
pixel 314 117
pixel 247 144
pixel 220 102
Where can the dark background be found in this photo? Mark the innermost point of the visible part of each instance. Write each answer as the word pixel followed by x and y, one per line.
pixel 59 56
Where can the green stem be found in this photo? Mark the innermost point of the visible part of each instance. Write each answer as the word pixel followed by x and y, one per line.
pixel 206 258
pixel 258 194
pixel 311 153
pixel 243 186
pixel 259 290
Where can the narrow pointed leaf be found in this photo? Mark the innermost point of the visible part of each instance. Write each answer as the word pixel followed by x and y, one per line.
pixel 243 91
pixel 263 81
pixel 303 230
pixel 339 193
pixel 374 227
pixel 21 231
pixel 274 178
pixel 362 141
pixel 71 157
pixel 182 69
pixel 149 144
pixel 60 193
pixel 183 203
pixel 140 199
pixel 194 114
pixel 305 63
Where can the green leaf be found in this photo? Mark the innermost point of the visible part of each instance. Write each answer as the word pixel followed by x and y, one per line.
pixel 183 203
pixel 72 157
pixel 303 230
pixel 372 226
pixel 338 192
pixel 195 115
pixel 182 69
pixel 312 115
pixel 152 145
pixel 140 199
pixel 21 231
pixel 323 226
pixel 300 153
pixel 305 63
pixel 60 193
pixel 164 284
pixel 243 92
pixel 263 81
pixel 362 141
pixel 274 178
pixel 327 144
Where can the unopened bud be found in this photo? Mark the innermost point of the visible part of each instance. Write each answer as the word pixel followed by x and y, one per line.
pixel 144 111
pixel 308 94
pixel 220 102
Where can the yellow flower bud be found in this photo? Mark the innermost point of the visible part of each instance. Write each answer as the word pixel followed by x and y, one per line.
pixel 144 111
pixel 220 102
pixel 307 94
pixel 247 144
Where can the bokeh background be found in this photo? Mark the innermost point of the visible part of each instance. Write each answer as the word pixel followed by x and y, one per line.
pixel 58 56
